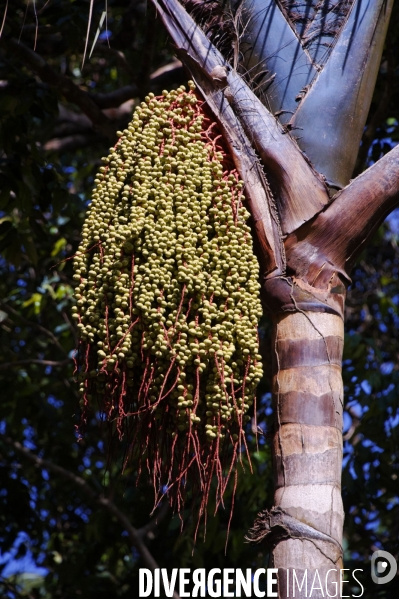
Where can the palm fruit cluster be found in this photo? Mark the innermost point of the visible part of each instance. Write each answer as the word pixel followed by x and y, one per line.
pixel 167 297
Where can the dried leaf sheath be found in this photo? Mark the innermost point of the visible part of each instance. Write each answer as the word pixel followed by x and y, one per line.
pixel 167 298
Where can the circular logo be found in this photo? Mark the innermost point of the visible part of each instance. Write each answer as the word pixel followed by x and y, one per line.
pixel 383 567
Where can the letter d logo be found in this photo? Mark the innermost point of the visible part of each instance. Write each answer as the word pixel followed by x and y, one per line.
pixel 385 569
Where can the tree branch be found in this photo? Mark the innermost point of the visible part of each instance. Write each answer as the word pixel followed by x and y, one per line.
pixel 115 98
pixel 70 122
pixel 148 529
pixel 163 77
pixel 173 72
pixel 27 362
pixel 105 50
pixel 67 88
pixel 134 534
pixel 340 232
pixel 70 143
pixel 354 425
pixel 37 326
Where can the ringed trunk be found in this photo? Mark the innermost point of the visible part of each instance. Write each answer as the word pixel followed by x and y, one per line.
pixel 304 527
pixel 308 401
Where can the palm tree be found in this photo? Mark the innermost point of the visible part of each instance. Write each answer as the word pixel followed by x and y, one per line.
pixel 290 85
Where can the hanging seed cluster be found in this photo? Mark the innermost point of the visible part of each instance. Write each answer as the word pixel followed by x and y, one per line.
pixel 167 297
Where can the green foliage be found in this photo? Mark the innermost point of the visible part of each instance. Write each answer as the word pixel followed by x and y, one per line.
pixel 371 378
pixel 83 548
pixel 44 191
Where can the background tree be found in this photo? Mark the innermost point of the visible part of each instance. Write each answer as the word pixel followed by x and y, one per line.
pixel 51 135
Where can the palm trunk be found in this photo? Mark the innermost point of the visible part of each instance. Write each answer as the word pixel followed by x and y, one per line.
pixel 307 244
pixel 308 399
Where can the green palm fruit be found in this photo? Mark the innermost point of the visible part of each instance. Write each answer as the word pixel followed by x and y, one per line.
pixel 166 297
